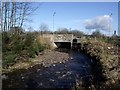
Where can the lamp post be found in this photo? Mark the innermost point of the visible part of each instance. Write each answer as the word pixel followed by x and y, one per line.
pixel 53 19
pixel 53 24
pixel 109 27
pixel 110 23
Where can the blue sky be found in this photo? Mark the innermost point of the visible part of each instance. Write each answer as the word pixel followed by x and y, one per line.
pixel 74 14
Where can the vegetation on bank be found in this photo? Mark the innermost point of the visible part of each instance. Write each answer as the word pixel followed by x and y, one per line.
pixel 19 47
pixel 106 51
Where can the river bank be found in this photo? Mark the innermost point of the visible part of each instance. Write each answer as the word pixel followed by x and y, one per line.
pixel 107 56
pixel 45 58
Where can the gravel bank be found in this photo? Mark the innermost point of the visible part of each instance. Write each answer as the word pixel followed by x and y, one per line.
pixel 50 57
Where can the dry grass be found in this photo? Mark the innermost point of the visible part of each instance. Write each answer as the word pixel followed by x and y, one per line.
pixel 44 41
pixel 107 54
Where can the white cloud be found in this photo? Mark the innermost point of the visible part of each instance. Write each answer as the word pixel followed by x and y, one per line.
pixel 99 22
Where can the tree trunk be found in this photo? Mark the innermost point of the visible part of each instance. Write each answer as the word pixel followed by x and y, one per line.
pixel 11 17
pixel 23 14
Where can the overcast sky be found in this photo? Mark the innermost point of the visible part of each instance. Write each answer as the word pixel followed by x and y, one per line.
pixel 84 16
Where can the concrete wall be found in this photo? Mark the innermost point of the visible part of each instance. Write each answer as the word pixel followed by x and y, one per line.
pixel 58 38
pixel 63 37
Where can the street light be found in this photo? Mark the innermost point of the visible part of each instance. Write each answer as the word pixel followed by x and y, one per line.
pixel 110 23
pixel 109 27
pixel 53 19
pixel 53 24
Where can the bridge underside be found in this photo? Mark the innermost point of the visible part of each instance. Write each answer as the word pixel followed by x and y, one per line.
pixel 68 45
pixel 63 44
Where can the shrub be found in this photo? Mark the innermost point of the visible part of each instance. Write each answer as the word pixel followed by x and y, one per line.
pixel 17 43
pixel 5 41
pixel 31 45
pixel 14 45
pixel 8 59
pixel 29 39
pixel 33 50
pixel 41 47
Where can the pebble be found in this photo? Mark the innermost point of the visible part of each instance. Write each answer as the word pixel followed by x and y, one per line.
pixel 41 84
pixel 60 62
pixel 22 77
pixel 4 77
pixel 69 72
pixel 58 72
pixel 38 70
pixel 71 58
pixel 52 80
pixel 113 81
pixel 54 65
pixel 109 47
pixel 92 87
pixel 64 75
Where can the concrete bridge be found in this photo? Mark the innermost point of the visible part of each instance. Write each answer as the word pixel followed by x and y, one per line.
pixel 62 40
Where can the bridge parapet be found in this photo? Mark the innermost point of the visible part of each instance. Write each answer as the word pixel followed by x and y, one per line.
pixel 63 37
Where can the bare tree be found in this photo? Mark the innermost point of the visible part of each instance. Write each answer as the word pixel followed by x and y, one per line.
pixel 77 33
pixel 27 10
pixel 62 31
pixel 12 14
pixel 15 14
pixel 97 34
pixel 44 28
pixel 8 20
pixel 30 29
pixel 5 19
pixel 1 17
pixel 20 8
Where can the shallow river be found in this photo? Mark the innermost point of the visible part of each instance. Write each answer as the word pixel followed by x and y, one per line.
pixel 78 67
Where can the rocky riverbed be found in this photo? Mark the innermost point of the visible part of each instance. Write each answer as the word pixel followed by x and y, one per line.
pixel 51 69
pixel 50 57
pixel 23 71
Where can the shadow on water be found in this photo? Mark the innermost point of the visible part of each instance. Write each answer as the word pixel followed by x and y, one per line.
pixel 60 75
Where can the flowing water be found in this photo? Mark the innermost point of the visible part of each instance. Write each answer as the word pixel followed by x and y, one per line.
pixel 78 67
